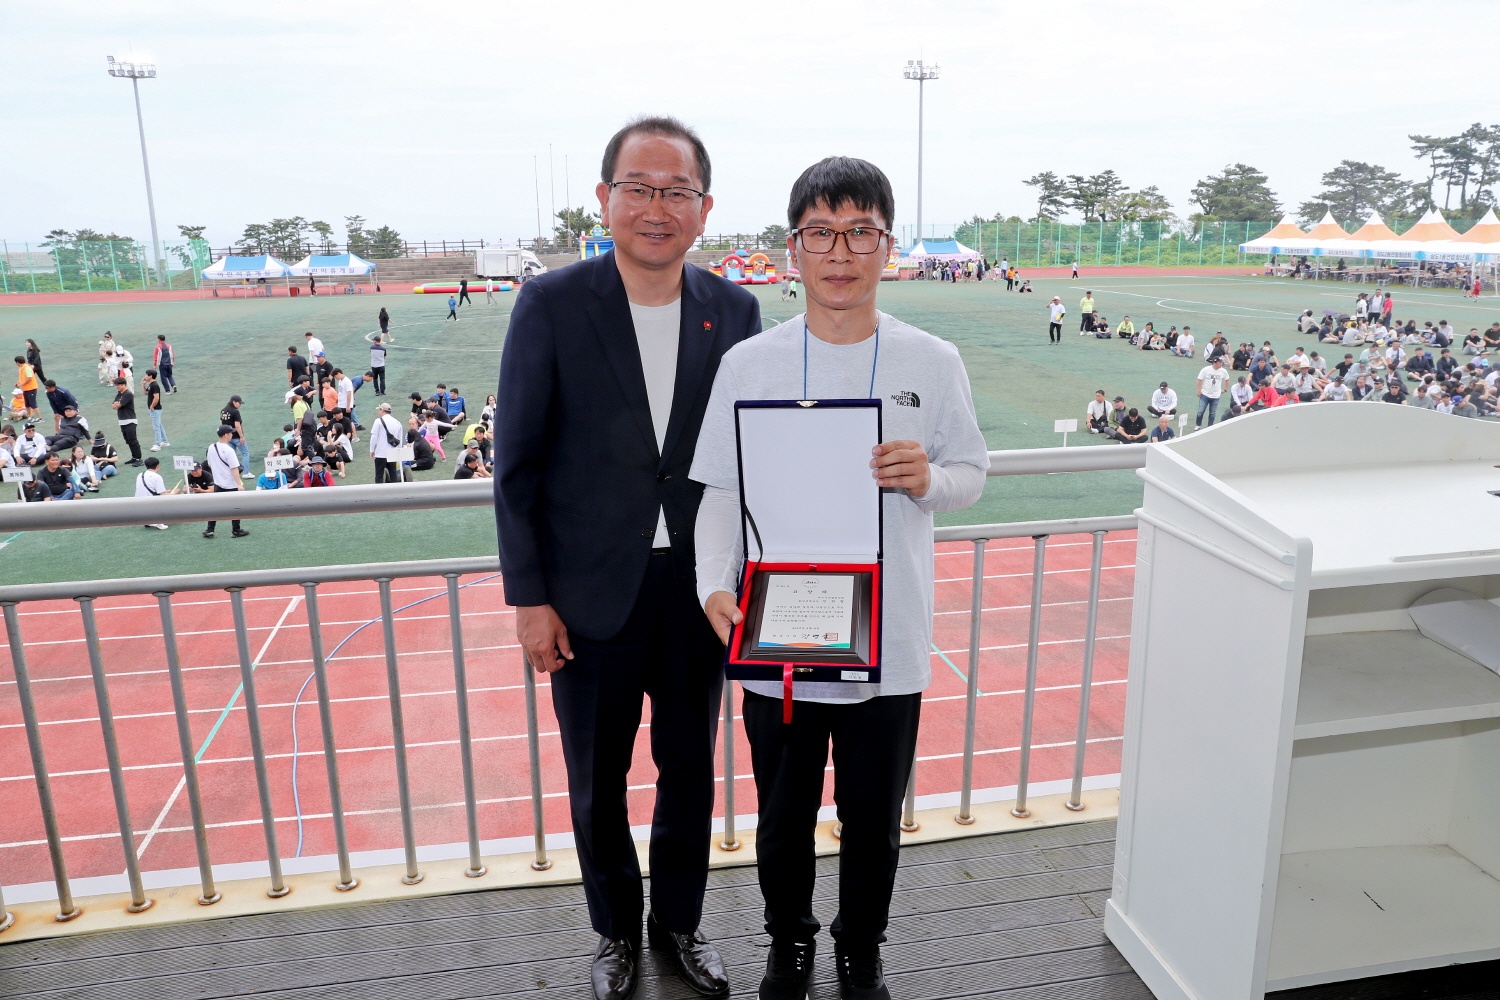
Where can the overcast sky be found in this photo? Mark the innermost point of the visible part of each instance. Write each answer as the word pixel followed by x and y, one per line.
pixel 427 116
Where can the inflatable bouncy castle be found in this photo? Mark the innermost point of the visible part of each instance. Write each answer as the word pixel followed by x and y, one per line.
pixel 745 268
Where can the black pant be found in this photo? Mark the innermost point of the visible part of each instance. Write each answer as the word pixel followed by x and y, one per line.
pixel 127 431
pixel 463 297
pixel 379 379
pixel 235 524
pixel 1054 333
pixel 666 651
pixel 168 383
pixel 385 326
pixel 873 745
pixel 452 313
pixel 387 471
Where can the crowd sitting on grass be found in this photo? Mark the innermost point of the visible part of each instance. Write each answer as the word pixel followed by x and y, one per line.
pixel 1390 361
pixel 318 445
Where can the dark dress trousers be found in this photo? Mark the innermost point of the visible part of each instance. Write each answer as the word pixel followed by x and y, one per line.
pixel 578 483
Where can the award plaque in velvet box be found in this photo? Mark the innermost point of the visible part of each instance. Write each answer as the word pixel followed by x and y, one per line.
pixel 810 516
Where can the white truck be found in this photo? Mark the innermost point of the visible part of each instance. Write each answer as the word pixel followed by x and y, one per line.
pixel 510 263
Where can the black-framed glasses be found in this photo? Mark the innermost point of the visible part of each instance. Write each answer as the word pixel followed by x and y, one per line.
pixel 820 239
pixel 638 195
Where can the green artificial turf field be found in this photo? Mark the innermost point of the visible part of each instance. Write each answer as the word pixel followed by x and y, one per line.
pixel 1021 385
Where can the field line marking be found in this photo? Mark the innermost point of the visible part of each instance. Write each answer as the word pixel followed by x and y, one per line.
pixel 240 688
pixel 161 817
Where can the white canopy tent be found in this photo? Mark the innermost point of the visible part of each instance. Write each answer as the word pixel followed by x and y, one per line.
pixel 939 250
pixel 233 268
pixel 1431 239
pixel 332 264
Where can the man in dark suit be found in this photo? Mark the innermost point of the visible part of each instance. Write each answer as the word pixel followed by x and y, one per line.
pixel 607 368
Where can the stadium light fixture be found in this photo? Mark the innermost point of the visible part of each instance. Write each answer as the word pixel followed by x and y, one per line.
pixel 136 72
pixel 915 70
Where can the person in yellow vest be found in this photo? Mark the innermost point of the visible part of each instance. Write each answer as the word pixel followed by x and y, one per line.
pixel 1086 308
pixel 26 381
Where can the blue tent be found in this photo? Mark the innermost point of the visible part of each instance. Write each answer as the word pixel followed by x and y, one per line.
pixel 939 250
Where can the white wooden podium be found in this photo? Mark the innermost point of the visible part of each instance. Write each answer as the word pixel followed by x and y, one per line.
pixel 1310 787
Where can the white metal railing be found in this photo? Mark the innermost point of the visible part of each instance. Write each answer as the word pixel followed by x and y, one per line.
pixel 130 511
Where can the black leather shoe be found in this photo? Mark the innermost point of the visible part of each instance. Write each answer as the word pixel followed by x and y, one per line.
pixel 789 969
pixel 861 973
pixel 698 962
pixel 616 969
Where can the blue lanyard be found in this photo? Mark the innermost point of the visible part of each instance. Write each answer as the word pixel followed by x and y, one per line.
pixel 873 361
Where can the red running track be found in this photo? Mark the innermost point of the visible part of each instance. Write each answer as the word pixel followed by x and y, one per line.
pixel 134 660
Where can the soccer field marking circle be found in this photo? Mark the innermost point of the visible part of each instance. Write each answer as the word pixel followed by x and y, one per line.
pixel 450 350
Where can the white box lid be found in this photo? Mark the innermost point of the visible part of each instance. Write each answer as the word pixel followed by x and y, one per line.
pixel 805 479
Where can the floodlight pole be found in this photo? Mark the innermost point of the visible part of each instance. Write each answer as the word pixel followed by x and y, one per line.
pixel 135 72
pixel 920 73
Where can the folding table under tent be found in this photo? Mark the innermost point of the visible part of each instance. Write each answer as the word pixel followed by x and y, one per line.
pixel 334 265
pixel 246 269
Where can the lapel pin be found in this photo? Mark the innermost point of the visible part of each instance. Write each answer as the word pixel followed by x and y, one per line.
pixel 707 325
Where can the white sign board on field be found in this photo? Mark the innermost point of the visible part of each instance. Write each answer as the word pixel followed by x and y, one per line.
pixel 16 474
pixel 184 462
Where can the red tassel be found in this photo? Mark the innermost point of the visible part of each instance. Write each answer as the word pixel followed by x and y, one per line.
pixel 786 694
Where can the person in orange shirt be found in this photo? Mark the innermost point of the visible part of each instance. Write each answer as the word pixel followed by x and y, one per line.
pixel 27 383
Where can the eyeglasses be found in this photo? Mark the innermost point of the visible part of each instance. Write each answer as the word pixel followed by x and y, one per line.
pixel 638 195
pixel 820 239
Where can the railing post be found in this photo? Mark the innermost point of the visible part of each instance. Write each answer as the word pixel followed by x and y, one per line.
pixel 66 908
pixel 138 900
pixel 534 753
pixel 279 887
pixel 730 841
pixel 909 822
pixel 209 895
pixel 1096 566
pixel 398 732
pixel 1032 646
pixel 971 694
pixel 465 741
pixel 346 880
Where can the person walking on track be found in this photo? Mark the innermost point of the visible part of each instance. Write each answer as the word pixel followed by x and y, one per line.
pixel 385 326
pixel 452 309
pixel 463 292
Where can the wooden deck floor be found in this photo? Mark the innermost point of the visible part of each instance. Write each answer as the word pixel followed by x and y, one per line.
pixel 1010 915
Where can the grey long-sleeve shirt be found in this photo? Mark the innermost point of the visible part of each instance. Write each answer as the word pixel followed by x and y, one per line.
pixel 925 390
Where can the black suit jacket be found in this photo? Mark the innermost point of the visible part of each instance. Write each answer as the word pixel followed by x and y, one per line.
pixel 578 476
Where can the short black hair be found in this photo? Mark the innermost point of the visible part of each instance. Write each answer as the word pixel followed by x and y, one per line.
pixel 656 125
pixel 838 179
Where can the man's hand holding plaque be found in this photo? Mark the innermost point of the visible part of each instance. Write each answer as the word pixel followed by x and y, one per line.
pixel 903 465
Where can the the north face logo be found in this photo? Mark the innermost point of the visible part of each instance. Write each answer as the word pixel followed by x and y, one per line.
pixel 906 398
